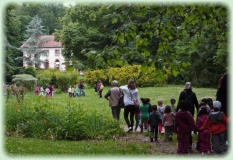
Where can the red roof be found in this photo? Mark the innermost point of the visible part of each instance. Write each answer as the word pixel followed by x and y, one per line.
pixel 49 42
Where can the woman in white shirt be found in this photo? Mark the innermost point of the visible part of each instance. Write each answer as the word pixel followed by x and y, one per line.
pixel 131 101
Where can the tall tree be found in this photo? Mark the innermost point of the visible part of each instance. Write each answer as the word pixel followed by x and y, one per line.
pixel 33 42
pixel 12 40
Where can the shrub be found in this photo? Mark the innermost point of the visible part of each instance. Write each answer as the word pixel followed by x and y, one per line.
pixel 92 76
pixel 149 77
pixel 72 123
pixel 59 79
pixel 64 80
pixel 30 70
pixel 26 80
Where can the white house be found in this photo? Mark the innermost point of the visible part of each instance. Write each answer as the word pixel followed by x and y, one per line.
pixel 53 57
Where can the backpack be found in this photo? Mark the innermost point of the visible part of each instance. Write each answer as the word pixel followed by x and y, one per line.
pixel 102 87
pixel 121 99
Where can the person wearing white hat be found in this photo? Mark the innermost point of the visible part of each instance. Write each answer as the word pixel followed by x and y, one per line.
pixel 217 123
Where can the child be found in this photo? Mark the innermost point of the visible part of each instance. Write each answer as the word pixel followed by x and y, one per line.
pixel 205 101
pixel 41 91
pixel 76 91
pixel 216 122
pixel 100 88
pixel 144 109
pixel 203 135
pixel 154 120
pixel 37 90
pixel 47 92
pixel 69 91
pixel 168 123
pixel 184 124
pixel 137 118
pixel 161 111
pixel 72 91
pixel 210 103
pixel 53 90
pixel 173 107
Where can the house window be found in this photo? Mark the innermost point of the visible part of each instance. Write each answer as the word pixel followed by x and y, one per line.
pixel 57 64
pixel 46 53
pixel 57 52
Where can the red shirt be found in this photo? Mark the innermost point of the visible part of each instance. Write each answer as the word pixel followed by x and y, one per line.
pixel 215 128
pixel 99 89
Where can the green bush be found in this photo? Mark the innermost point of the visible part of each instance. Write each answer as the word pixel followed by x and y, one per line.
pixel 92 76
pixel 72 123
pixel 26 80
pixel 147 77
pixel 61 80
pixel 30 70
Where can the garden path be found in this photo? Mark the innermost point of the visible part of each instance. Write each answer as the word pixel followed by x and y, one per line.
pixel 162 147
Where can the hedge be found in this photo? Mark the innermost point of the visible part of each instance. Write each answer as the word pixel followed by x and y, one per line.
pixel 148 77
pixel 61 80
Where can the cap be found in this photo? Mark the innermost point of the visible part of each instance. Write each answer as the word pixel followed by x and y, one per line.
pixel 217 104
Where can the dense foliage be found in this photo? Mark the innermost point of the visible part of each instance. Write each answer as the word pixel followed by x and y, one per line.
pixel 72 122
pixel 149 77
pixel 181 39
pixel 25 80
pixel 186 42
pixel 61 80
pixel 17 18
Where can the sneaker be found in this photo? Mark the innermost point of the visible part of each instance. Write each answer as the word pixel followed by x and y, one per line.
pixel 151 139
pixel 130 129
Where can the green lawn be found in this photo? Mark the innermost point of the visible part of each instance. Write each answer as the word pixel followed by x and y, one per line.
pixel 91 101
pixel 30 146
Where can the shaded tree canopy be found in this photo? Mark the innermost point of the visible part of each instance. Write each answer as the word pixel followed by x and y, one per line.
pixel 188 42
pixel 17 17
pixel 184 42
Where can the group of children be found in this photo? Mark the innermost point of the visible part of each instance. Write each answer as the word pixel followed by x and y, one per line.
pixel 49 91
pixel 78 91
pixel 211 124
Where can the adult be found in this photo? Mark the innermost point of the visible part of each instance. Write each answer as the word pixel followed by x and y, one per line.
pixel 113 95
pixel 81 88
pixel 131 101
pixel 190 98
pixel 188 95
pixel 221 94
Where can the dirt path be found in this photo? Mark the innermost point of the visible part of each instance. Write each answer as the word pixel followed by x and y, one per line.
pixel 162 147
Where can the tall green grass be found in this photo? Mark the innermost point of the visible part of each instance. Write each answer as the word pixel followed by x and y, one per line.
pixel 89 117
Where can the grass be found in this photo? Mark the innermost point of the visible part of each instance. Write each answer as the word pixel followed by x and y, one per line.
pixel 91 102
pixel 30 146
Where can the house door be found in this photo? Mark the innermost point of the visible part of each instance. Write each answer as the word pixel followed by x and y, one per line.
pixel 57 64
pixel 46 64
